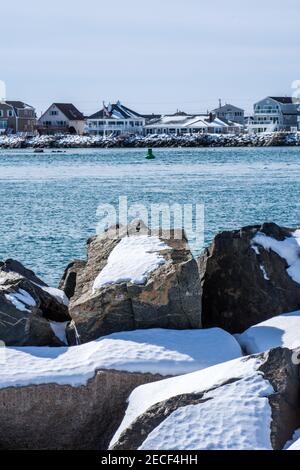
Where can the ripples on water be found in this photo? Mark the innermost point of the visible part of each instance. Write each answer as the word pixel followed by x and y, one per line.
pixel 49 201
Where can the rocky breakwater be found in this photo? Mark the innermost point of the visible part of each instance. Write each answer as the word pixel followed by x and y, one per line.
pixel 133 281
pixel 153 140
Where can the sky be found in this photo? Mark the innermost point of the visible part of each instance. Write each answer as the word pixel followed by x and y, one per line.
pixel 158 56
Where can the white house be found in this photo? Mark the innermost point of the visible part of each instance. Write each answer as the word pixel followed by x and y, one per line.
pixel 62 118
pixel 275 114
pixel 181 123
pixel 115 119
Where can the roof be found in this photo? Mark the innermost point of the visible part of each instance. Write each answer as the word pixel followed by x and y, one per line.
pixel 70 111
pixel 18 104
pixel 116 111
pixel 227 105
pixel 283 99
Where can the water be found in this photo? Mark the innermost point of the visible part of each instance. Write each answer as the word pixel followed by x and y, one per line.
pixel 49 201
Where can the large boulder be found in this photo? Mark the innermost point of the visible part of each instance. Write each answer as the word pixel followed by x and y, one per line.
pixel 76 397
pixel 31 313
pixel 247 404
pixel 250 275
pixel 133 281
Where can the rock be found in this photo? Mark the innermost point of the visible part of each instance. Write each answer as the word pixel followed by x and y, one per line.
pixel 167 297
pixel 228 414
pixel 68 280
pixel 28 310
pixel 242 282
pixel 52 416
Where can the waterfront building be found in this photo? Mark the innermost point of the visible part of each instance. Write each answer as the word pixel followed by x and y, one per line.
pixel 229 112
pixel 62 118
pixel 182 123
pixel 275 114
pixel 115 119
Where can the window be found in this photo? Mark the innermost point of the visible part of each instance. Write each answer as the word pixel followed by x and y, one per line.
pixel 1 113
pixel 10 113
pixel 53 112
pixel 61 123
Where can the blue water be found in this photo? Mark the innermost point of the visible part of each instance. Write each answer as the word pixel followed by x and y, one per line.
pixel 49 201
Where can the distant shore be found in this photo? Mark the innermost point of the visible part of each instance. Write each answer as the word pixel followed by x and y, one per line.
pixel 155 141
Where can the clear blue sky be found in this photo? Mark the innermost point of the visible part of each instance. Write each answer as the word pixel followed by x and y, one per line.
pixel 156 56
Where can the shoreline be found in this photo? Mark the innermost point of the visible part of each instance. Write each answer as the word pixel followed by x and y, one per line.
pixel 156 141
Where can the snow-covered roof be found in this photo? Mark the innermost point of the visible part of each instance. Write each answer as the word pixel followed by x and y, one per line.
pixel 116 111
pixel 188 121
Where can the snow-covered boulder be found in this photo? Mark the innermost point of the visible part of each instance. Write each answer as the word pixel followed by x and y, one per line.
pixel 31 313
pixel 76 397
pixel 250 275
pixel 248 403
pixel 294 443
pixel 136 281
pixel 282 330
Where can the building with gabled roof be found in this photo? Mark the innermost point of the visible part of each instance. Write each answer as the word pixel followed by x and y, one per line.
pixel 62 118
pixel 115 119
pixel 275 113
pixel 17 117
pixel 181 123
pixel 230 112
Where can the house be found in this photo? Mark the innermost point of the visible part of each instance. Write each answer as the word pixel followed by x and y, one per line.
pixel 115 119
pixel 181 123
pixel 275 114
pixel 62 118
pixel 230 113
pixel 17 117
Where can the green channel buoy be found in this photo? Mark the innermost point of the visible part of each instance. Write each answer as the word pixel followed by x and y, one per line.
pixel 150 155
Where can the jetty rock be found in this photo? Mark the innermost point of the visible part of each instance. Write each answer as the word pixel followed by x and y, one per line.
pixel 75 397
pixel 135 280
pixel 31 312
pixel 249 403
pixel 250 275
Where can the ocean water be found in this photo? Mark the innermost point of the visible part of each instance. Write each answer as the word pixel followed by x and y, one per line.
pixel 48 202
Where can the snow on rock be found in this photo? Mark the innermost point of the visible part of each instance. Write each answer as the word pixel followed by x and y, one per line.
pixel 145 396
pixel 59 295
pixel 213 425
pixel 289 249
pixel 167 352
pixel 132 260
pixel 59 329
pixel 21 300
pixel 282 330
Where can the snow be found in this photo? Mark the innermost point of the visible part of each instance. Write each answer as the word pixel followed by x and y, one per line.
pixel 236 416
pixel 167 352
pixel 145 396
pixel 132 260
pixel 294 443
pixel 59 295
pixel 59 329
pixel 21 300
pixel 263 270
pixel 282 330
pixel 288 249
